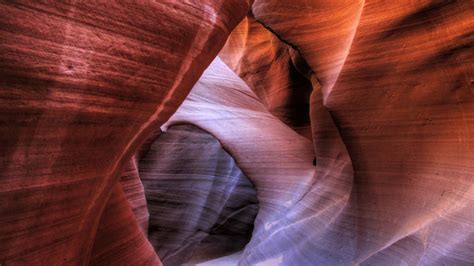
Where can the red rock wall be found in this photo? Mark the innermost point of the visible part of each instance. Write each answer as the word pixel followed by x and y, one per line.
pixel 272 70
pixel 380 93
pixel 82 86
pixel 392 119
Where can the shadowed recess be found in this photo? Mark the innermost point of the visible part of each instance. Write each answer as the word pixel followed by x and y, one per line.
pixel 201 204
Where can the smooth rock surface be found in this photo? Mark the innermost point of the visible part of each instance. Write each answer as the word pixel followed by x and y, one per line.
pixel 82 86
pixel 201 204
pixel 379 92
pixel 333 216
pixel 272 70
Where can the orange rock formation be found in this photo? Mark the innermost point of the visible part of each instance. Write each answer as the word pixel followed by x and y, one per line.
pixel 379 92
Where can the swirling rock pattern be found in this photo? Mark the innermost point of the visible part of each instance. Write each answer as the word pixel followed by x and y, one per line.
pixel 82 86
pixel 380 92
pixel 293 195
pixel 271 69
pixel 201 204
pixel 403 104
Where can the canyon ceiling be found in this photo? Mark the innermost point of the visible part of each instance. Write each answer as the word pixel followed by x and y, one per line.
pixel 225 132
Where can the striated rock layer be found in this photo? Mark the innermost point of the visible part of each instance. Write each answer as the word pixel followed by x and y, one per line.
pixel 274 71
pixel 201 204
pixel 379 92
pixel 82 86
pixel 393 97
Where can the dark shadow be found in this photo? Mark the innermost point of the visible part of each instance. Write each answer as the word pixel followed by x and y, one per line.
pixel 201 205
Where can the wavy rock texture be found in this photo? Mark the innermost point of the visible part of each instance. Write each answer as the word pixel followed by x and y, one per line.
pixel 380 92
pixel 321 30
pixel 273 70
pixel 201 204
pixel 280 165
pixel 404 106
pixel 82 86
pixel 395 80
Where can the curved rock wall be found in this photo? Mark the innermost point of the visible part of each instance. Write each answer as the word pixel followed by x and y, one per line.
pixel 82 86
pixel 271 69
pixel 393 96
pixel 379 92
pixel 201 204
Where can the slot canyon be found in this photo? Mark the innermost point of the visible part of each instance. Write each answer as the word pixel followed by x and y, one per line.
pixel 237 132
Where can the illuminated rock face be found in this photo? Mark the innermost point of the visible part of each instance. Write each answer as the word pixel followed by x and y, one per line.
pixel 82 86
pixel 379 92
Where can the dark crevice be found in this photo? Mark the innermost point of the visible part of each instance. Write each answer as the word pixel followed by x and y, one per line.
pixel 201 205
